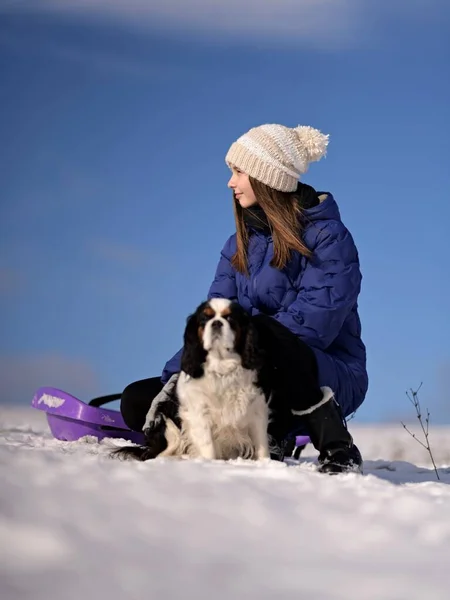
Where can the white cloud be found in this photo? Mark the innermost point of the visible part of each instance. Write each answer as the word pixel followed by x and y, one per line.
pixel 324 24
pixel 321 22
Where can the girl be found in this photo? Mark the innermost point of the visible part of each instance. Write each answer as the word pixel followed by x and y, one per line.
pixel 293 265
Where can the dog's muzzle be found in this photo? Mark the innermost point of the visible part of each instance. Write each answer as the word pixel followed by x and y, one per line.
pixel 216 327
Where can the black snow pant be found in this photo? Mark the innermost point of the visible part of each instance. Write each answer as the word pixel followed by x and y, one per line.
pixel 294 382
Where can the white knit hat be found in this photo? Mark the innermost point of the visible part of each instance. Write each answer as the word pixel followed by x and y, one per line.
pixel 277 155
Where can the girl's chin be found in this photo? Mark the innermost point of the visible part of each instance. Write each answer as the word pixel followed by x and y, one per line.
pixel 245 203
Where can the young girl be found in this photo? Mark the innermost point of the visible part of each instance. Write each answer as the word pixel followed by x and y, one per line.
pixel 293 265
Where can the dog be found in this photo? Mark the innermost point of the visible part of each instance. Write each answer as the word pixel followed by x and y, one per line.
pixel 217 406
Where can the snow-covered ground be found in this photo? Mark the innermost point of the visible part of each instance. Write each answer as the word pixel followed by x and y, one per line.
pixel 75 524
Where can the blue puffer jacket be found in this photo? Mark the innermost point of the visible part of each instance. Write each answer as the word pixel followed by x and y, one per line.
pixel 315 298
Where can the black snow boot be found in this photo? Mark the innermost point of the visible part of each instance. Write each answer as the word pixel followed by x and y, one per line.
pixel 279 450
pixel 329 435
pixel 292 450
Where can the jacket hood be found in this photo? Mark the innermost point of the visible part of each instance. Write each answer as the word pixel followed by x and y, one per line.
pixel 326 210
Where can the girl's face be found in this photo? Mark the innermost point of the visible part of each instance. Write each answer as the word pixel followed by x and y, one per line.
pixel 242 188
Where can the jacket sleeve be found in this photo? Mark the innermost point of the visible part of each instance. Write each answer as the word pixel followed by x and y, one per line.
pixel 223 286
pixel 173 365
pixel 328 291
pixel 224 283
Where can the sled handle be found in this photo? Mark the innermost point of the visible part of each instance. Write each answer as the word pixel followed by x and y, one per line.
pixel 101 400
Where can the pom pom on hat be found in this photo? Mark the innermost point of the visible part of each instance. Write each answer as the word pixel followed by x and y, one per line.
pixel 277 155
pixel 313 141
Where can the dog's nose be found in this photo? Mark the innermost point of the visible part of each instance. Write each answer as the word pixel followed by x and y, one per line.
pixel 216 324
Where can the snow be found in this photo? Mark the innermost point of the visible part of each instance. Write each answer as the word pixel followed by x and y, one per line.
pixel 75 523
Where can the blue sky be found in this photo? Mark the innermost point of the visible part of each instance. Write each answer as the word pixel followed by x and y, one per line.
pixel 115 120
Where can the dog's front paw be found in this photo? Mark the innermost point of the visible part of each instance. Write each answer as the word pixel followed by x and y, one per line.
pixel 153 425
pixel 262 453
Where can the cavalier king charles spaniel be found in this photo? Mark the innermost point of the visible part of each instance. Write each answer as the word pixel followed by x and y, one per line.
pixel 217 407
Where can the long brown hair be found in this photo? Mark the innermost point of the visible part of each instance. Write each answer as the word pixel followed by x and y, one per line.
pixel 283 212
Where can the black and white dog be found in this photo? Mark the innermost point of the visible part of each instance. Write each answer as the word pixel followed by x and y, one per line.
pixel 217 407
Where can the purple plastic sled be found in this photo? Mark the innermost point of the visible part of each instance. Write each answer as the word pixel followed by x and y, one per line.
pixel 302 440
pixel 70 419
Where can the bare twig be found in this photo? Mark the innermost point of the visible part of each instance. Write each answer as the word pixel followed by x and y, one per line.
pixel 414 399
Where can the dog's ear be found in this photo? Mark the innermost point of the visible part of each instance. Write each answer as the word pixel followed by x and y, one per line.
pixel 253 355
pixel 193 355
